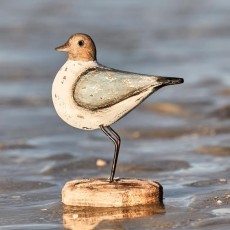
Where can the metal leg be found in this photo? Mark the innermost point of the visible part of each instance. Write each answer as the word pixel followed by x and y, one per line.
pixel 117 141
pixel 116 152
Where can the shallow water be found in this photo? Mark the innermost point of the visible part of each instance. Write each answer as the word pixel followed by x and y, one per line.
pixel 180 136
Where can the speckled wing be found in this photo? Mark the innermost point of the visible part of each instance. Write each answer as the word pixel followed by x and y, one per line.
pixel 98 88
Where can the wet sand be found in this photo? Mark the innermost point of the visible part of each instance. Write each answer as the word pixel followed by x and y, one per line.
pixel 179 137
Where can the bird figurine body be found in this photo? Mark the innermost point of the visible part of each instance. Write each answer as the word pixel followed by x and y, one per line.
pixel 88 95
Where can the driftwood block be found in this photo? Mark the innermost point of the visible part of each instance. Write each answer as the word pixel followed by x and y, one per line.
pixel 121 193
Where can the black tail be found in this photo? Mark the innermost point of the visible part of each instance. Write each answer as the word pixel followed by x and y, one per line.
pixel 169 80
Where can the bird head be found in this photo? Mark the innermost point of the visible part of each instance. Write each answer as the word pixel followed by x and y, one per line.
pixel 79 47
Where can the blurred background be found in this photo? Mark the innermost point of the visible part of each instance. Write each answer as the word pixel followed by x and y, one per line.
pixel 182 132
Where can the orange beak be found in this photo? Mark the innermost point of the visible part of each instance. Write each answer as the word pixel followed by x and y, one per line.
pixel 63 48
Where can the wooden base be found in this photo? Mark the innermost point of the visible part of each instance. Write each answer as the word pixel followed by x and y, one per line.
pixel 121 193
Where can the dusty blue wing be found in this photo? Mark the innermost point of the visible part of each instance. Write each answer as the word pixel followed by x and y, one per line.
pixel 99 88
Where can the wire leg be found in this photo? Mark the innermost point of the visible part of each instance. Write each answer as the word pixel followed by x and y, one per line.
pixel 116 152
pixel 116 140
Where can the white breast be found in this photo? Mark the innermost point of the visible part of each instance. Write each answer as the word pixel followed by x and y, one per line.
pixel 62 91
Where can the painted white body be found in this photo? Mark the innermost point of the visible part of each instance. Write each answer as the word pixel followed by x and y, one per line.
pixel 82 118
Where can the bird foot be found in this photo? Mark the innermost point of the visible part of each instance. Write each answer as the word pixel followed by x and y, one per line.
pixel 115 179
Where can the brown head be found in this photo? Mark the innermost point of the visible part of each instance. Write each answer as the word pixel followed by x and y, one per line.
pixel 80 47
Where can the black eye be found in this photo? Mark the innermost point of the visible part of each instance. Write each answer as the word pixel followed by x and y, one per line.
pixel 81 43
